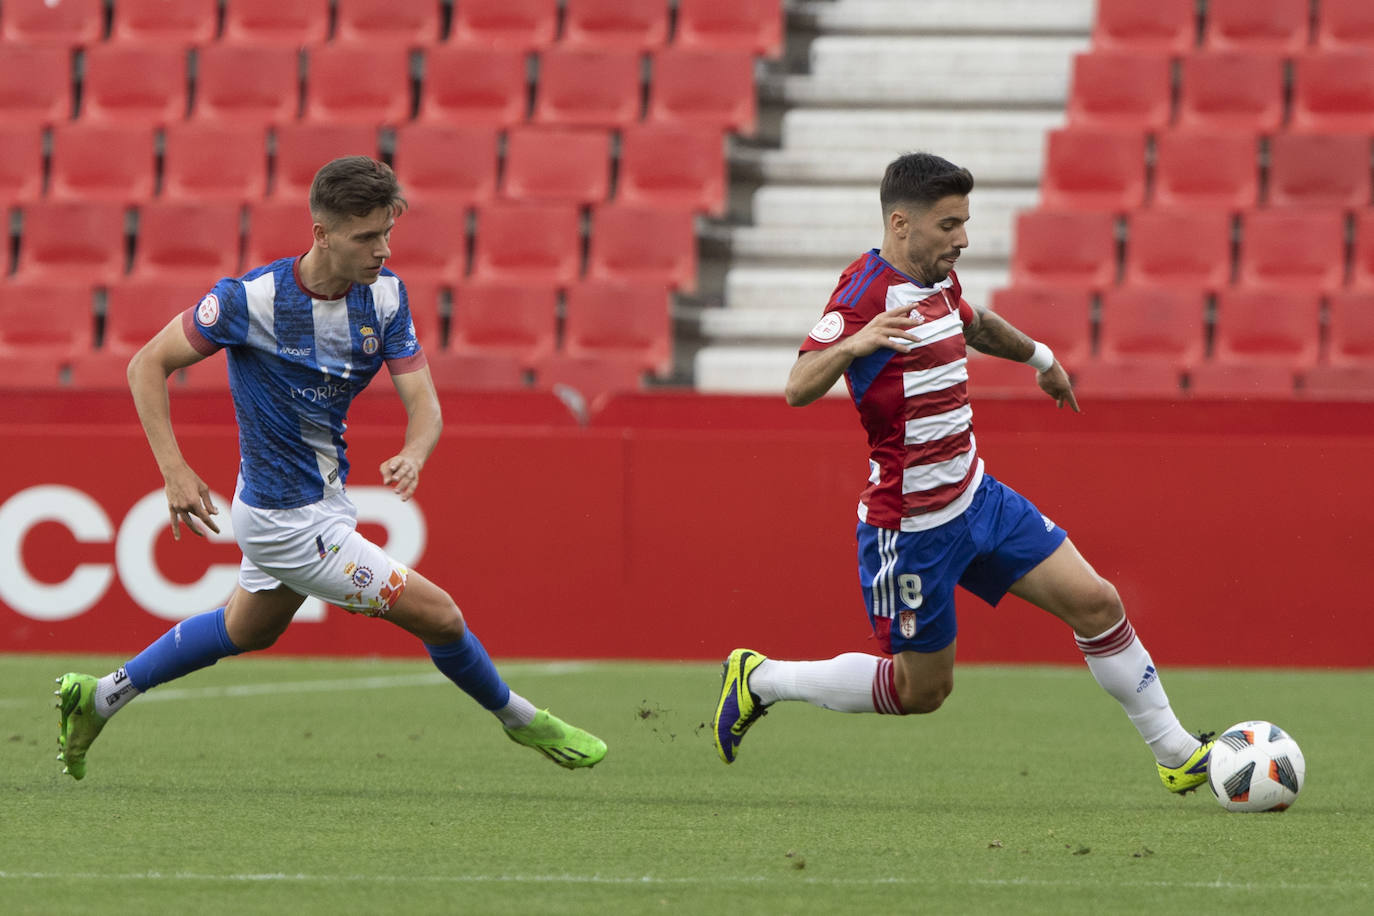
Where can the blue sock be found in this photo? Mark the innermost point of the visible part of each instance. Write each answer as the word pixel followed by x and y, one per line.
pixel 467 664
pixel 197 642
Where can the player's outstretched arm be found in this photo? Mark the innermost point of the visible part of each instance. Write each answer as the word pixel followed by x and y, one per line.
pixel 425 421
pixel 188 497
pixel 992 334
pixel 816 371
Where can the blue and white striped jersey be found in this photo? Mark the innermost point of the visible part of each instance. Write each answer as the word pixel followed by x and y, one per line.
pixel 296 361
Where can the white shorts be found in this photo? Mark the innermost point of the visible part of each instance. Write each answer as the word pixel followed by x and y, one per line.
pixel 317 551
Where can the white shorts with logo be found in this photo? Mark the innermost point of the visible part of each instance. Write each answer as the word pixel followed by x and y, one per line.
pixel 317 551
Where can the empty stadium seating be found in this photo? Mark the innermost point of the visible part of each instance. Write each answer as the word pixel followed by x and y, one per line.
pixel 592 88
pixel 1231 90
pixel 636 244
pixel 80 243
pixel 1121 90
pixel 303 148
pixel 521 242
pixel 271 22
pixel 1344 24
pixel 1273 326
pixel 250 85
pixel 1200 168
pixel 44 328
pixel 1065 248
pixel 1093 169
pixel 1301 248
pixel 132 84
pixel 524 25
pixel 620 320
pixel 214 161
pixel 673 166
pixel 447 165
pixel 335 95
pixel 1257 25
pixel 1168 26
pixel 35 84
pixel 1153 324
pixel 1186 248
pixel 135 311
pixel 704 88
pixel 185 241
pixel 633 25
pixel 752 26
pixel 1333 91
pixel 277 228
pixel 1328 171
pixel 380 23
pixel 1350 326
pixel 67 24
pixel 1362 252
pixel 172 23
pixel 1339 383
pixel 474 85
pixel 103 161
pixel 557 164
pixel 429 244
pixel 505 319
pixel 471 371
pixel 21 164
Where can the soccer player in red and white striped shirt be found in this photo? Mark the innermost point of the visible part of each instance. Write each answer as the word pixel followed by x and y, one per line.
pixel 897 330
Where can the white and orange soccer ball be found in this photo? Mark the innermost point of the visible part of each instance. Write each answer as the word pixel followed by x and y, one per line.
pixel 1256 766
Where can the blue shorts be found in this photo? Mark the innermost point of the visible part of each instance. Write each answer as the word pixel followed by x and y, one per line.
pixel 908 577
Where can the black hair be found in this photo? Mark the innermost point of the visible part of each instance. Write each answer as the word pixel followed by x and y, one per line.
pixel 922 179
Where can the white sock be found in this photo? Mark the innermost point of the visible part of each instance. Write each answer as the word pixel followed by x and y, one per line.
pixel 113 691
pixel 852 682
pixel 1120 664
pixel 517 713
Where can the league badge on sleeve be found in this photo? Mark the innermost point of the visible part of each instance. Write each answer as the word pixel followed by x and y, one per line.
pixel 207 312
pixel 829 328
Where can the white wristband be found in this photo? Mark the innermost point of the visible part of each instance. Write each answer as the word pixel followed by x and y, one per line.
pixel 1042 358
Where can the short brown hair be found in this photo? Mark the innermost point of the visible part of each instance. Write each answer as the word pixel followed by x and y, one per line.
pixel 354 186
pixel 922 179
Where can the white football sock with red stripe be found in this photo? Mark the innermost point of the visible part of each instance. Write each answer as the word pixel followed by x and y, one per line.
pixel 1124 669
pixel 852 682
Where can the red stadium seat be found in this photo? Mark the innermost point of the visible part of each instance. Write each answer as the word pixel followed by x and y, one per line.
pixel 214 162
pixel 21 164
pixel 1350 328
pixel 514 320
pixel 1301 249
pixel 1275 326
pixel 277 229
pixel 595 88
pixel 1163 325
pixel 271 22
pixel 1064 248
pixel 430 244
pixel 80 243
pixel 609 319
pixel 666 165
pixel 1121 90
pixel 1205 169
pixel 247 84
pixel 447 165
pixel 68 23
pixel 1087 169
pixel 335 95
pixel 115 162
pixel 752 26
pixel 522 25
pixel 1241 381
pixel 521 242
pixel 35 85
pixel 1182 248
pixel 1168 26
pixel 134 84
pixel 1102 378
pixel 1059 318
pixel 1334 92
pixel 1257 25
pixel 1362 257
pixel 1345 24
pixel 468 371
pixel 1339 383
pixel 1229 90
pixel 704 88
pixel 425 300
pixel 642 244
pixel 303 148
pixel 382 23
pixel 185 241
pixel 44 329
pixel 472 85
pixel 628 25
pixel 557 164
pixel 174 23
pixel 1319 170
pixel 135 311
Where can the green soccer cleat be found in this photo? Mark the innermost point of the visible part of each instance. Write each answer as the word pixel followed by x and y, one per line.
pixel 564 744
pixel 79 723
pixel 1192 773
pixel 738 707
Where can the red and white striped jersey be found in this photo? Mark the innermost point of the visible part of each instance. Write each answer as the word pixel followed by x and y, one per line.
pixel 923 462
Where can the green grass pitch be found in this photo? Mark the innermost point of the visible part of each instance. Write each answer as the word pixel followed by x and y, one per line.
pixel 275 785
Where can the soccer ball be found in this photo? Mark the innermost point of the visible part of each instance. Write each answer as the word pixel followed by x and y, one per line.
pixel 1256 766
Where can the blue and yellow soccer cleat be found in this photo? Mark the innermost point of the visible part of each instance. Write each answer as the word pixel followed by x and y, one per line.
pixel 1192 773
pixel 564 744
pixel 739 707
pixel 78 723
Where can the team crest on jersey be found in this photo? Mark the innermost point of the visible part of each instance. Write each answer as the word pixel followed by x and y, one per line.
pixel 207 312
pixel 370 341
pixel 829 328
pixel 906 620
